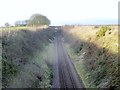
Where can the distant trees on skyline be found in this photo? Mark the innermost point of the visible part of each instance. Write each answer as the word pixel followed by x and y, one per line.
pixel 38 20
pixel 35 20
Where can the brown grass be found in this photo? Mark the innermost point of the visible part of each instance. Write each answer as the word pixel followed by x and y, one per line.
pixel 99 64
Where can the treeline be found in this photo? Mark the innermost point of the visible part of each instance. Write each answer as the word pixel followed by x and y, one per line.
pixel 35 20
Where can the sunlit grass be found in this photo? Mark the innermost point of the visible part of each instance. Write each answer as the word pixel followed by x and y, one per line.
pixel 94 58
pixel 89 34
pixel 15 28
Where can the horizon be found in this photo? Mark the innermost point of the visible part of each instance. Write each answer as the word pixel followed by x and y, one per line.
pixel 64 12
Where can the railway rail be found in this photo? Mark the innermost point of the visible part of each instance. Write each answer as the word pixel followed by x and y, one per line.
pixel 68 77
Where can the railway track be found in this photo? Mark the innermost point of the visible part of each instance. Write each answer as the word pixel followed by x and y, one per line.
pixel 68 77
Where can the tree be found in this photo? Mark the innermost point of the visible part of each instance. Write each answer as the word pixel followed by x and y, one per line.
pixel 21 23
pixel 7 24
pixel 16 23
pixel 38 20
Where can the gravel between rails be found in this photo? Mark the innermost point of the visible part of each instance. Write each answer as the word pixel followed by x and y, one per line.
pixel 66 73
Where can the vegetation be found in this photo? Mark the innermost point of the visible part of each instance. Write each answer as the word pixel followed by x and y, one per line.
pixel 7 24
pixel 102 31
pixel 23 58
pixel 16 28
pixel 38 20
pixel 23 48
pixel 21 23
pixel 96 60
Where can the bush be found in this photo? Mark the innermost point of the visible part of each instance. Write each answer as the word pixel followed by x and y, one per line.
pixel 78 49
pixel 8 68
pixel 102 31
pixel 19 47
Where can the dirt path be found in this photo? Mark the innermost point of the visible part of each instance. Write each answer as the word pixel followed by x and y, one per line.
pixel 66 73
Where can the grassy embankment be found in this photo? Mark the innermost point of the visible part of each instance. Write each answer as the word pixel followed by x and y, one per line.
pixel 94 50
pixel 27 58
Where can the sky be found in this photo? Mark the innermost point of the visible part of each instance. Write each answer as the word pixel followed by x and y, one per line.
pixel 61 12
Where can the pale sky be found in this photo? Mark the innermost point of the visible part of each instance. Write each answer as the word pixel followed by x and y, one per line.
pixel 61 12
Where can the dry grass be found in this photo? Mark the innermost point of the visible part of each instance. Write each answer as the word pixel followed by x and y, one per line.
pixel 88 34
pixel 98 66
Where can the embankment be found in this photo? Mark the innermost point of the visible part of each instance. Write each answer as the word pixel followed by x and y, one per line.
pixel 94 50
pixel 27 58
